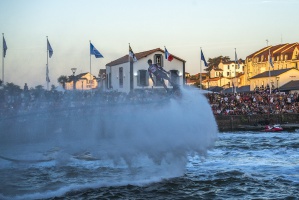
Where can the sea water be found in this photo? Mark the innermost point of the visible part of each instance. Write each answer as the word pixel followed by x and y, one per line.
pixel 169 152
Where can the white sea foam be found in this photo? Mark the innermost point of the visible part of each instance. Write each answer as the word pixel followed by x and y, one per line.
pixel 139 144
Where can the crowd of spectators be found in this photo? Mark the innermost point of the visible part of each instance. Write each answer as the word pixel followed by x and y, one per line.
pixel 221 103
pixel 43 101
pixel 253 103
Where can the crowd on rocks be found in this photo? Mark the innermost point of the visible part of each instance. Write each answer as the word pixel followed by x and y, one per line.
pixel 253 103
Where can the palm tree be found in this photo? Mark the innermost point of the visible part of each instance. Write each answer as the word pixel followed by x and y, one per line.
pixel 62 80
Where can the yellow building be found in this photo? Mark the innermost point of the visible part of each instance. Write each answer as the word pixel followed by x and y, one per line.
pixel 274 79
pixel 83 81
pixel 284 56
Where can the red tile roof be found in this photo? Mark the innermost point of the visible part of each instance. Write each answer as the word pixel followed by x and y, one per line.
pixel 139 55
pixel 274 51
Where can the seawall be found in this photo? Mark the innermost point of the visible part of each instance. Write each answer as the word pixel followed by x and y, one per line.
pixel 289 122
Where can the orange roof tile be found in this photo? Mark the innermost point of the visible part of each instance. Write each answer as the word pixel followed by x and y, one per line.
pixel 139 55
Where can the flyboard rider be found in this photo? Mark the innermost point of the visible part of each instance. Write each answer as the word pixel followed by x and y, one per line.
pixel 160 74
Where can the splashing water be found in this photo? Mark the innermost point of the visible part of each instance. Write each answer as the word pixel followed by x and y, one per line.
pixel 120 144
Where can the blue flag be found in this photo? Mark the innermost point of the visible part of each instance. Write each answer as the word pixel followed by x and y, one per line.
pixel 236 59
pixel 4 47
pixel 95 52
pixel 203 59
pixel 49 48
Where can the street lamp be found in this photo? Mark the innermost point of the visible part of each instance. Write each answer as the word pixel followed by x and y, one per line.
pixel 74 83
pixel 277 79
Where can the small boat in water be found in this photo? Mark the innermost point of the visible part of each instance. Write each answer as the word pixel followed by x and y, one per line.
pixel 274 128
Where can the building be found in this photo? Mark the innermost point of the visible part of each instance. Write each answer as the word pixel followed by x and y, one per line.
pixel 292 86
pixel 276 78
pixel 283 56
pixel 226 74
pixel 102 79
pixel 83 81
pixel 124 75
pixel 195 79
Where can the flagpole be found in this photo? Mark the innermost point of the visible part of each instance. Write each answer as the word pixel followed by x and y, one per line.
pixel 235 85
pixel 269 68
pixel 129 55
pixel 90 65
pixel 200 78
pixel 3 58
pixel 47 66
pixel 269 72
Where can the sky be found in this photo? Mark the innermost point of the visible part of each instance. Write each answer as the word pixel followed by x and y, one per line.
pixel 183 26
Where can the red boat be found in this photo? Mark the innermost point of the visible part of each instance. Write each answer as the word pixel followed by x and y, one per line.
pixel 274 128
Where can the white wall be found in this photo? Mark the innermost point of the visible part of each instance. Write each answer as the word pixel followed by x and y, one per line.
pixel 141 64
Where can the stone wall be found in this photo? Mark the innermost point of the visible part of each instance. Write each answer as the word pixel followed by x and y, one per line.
pixel 238 122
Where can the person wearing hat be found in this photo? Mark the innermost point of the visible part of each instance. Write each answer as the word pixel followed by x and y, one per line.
pixel 159 72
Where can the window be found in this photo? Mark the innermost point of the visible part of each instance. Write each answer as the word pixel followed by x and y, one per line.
pixel 142 78
pixel 227 74
pixel 110 85
pixel 158 81
pixel 121 77
pixel 174 76
pixel 158 59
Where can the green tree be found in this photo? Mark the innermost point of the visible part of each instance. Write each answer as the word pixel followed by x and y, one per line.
pixel 12 89
pixel 53 87
pixel 62 80
pixel 214 62
pixel 38 91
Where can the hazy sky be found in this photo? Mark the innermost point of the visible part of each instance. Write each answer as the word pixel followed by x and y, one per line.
pixel 183 26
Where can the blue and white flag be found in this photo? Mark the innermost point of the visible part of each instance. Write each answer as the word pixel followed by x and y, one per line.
pixel 95 52
pixel 203 58
pixel 271 62
pixel 131 54
pixel 49 48
pixel 4 47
